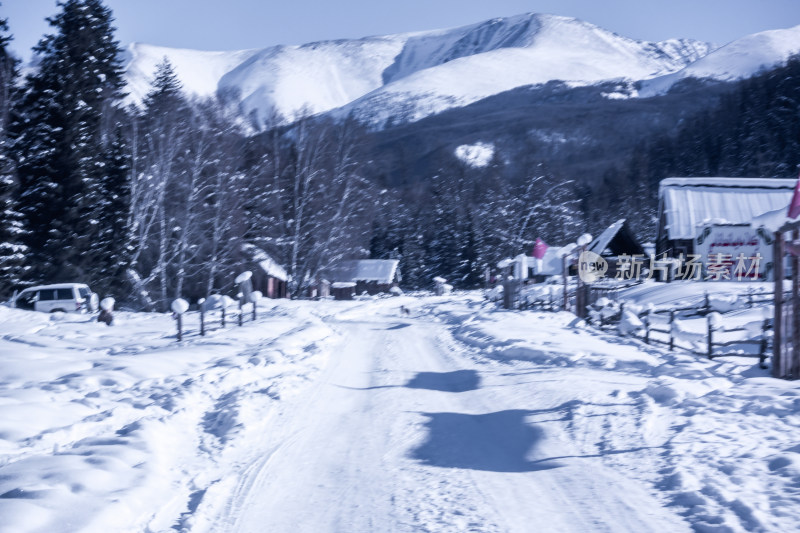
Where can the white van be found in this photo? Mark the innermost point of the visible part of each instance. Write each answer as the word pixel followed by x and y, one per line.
pixel 65 297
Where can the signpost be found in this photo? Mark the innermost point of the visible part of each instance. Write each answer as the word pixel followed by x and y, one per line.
pixel 727 242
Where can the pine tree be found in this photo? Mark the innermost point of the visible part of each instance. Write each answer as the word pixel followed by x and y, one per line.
pixel 12 252
pixel 165 95
pixel 113 239
pixel 165 123
pixel 61 145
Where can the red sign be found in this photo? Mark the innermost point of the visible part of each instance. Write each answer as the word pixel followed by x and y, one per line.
pixel 539 249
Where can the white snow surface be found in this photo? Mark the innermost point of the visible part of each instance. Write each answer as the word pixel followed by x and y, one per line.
pixel 475 155
pixel 406 77
pixel 353 416
pixel 739 59
pixel 550 48
pixel 415 74
pixel 198 71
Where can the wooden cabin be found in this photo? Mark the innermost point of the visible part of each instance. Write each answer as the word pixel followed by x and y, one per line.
pixel 372 276
pixel 268 276
pixel 616 240
pixel 687 206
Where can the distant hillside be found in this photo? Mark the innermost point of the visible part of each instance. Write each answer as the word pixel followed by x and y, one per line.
pixel 410 76
pixel 578 133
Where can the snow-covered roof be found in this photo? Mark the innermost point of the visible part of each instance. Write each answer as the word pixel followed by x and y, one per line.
pixel 379 270
pixel 617 239
pixel 599 245
pixel 688 203
pixel 267 263
pixel 773 220
pixel 272 268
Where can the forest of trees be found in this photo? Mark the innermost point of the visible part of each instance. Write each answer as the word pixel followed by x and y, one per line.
pixel 158 200
pixel 754 131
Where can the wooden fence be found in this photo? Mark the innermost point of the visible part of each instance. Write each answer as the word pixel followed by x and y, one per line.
pixel 220 317
pixel 664 331
pixel 713 335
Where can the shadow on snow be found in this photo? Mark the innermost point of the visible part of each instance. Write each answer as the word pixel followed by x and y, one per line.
pixel 456 381
pixel 497 442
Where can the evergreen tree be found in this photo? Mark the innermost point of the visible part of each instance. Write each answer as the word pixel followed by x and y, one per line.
pixel 165 120
pixel 113 240
pixel 753 131
pixel 12 252
pixel 60 143
pixel 165 95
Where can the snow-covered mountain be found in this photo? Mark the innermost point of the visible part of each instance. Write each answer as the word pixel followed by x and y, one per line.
pixel 527 50
pixel 198 71
pixel 311 78
pixel 406 77
pixel 739 59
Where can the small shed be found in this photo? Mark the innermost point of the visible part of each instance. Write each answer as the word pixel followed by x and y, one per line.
pixel 323 289
pixel 616 240
pixel 372 276
pixel 343 290
pixel 687 205
pixel 552 263
pixel 268 276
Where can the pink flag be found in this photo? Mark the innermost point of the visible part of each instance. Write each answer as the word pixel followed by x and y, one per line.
pixel 540 247
pixel 794 206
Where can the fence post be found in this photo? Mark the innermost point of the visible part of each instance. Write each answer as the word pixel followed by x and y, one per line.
pixel 201 305
pixel 710 339
pixel 647 328
pixel 241 312
pixel 794 362
pixel 762 354
pixel 707 304
pixel 565 267
pixel 671 326
pixel 777 321
pixel 254 310
pixel 179 306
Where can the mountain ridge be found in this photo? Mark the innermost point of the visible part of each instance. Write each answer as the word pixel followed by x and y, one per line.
pixel 408 76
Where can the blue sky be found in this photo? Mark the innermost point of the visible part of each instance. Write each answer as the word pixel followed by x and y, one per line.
pixel 240 24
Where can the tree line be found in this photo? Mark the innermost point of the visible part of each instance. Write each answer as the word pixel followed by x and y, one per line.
pixel 753 131
pixel 168 197
pixel 157 200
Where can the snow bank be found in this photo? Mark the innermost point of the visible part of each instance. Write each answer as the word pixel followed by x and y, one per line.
pixel 715 438
pixel 112 429
pixel 125 429
pixel 547 339
pixel 630 324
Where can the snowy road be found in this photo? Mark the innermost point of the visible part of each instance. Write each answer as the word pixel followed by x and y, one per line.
pixel 348 417
pixel 403 432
